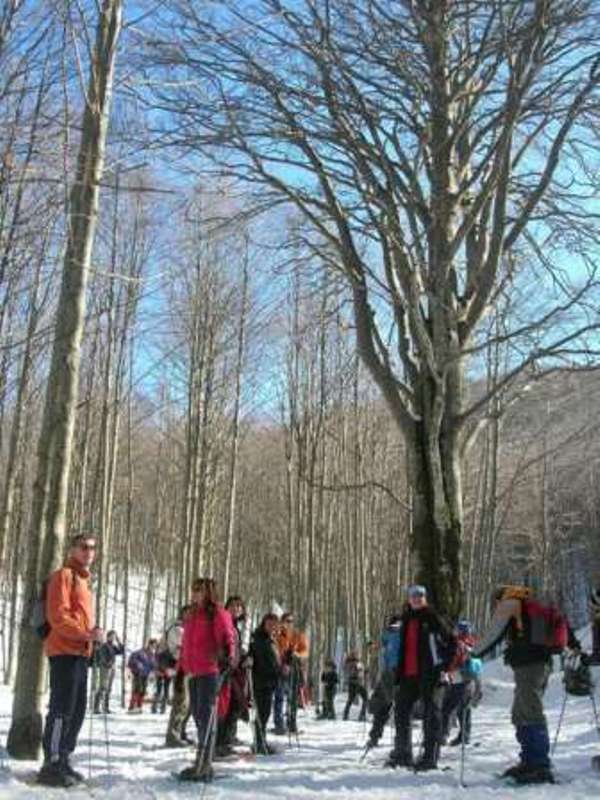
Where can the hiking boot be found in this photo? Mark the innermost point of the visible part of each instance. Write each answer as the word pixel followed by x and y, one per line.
pixel 279 731
pixel 55 775
pixel 399 759
pixel 425 763
pixel 195 774
pixel 534 775
pixel 513 771
pixel 223 751
pixel 174 741
pixel 264 750
pixel 75 774
pixel 458 740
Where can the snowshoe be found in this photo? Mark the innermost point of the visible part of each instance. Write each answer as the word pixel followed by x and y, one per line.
pixel 55 775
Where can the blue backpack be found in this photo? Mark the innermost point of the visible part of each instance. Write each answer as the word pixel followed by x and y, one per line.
pixel 390 642
pixel 472 668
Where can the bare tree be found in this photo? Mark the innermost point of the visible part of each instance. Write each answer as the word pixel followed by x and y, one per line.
pixel 439 149
pixel 47 531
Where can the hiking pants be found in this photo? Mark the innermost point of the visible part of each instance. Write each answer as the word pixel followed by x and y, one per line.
pixel 355 690
pixel 203 705
pixel 66 710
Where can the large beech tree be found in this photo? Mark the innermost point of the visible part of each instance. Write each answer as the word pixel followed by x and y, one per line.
pixel 441 150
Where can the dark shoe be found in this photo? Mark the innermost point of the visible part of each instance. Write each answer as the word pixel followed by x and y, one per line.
pixel 265 750
pixel 424 764
pixel 55 775
pixel 513 771
pixel 223 751
pixel 75 774
pixel 175 741
pixel 196 775
pixel 534 775
pixel 399 760
pixel 278 731
pixel 457 740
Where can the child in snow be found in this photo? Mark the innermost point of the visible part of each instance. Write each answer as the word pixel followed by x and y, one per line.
pixel 141 664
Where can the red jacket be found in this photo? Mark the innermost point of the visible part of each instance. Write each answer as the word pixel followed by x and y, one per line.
pixel 207 642
pixel 70 611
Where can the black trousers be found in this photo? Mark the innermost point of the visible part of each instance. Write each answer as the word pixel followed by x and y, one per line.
pixel 356 690
pixel 263 698
pixel 328 702
pixel 203 705
pixel 66 710
pixel 408 691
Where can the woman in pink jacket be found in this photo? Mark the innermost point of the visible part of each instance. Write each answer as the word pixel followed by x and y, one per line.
pixel 207 650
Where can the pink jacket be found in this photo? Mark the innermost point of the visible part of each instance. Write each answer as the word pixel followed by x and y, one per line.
pixel 207 643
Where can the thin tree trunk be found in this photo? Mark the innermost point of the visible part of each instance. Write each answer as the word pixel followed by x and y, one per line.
pixel 47 532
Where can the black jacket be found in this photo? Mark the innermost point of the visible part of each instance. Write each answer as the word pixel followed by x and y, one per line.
pixel 330 678
pixel 107 653
pixel 265 663
pixel 436 644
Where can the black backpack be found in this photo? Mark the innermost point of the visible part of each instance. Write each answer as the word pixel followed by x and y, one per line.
pixel 577 678
pixel 37 618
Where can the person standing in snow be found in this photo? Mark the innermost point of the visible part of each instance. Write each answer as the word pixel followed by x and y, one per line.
pixel 165 671
pixel 382 698
pixel 293 653
pixel 68 645
pixel 105 658
pixel 237 684
pixel 266 671
pixel 141 664
pixel 531 664
pixel 427 647
pixel 207 653
pixel 464 689
pixel 354 672
pixel 180 704
pixel 330 680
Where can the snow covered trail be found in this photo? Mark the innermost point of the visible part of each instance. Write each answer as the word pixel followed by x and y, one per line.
pixel 327 764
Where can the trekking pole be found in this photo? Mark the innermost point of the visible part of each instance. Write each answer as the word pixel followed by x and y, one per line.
pixel 560 721
pixel 595 710
pixel 91 715
pixel 463 744
pixel 208 745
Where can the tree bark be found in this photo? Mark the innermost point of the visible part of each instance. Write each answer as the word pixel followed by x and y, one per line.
pixel 47 532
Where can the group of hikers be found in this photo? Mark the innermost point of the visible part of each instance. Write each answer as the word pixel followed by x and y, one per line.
pixel 221 674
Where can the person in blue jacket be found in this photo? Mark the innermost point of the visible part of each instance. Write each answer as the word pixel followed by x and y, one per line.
pixel 141 664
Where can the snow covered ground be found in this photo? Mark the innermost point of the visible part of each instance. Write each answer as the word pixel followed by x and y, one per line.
pixel 327 763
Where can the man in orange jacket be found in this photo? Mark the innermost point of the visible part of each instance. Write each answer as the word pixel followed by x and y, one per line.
pixel 292 646
pixel 70 614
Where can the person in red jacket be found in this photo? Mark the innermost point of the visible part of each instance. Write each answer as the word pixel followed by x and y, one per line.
pixel 70 614
pixel 427 647
pixel 207 653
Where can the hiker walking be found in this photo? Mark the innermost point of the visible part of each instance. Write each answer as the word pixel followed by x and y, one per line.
pixel 141 664
pixel 330 680
pixel 293 653
pixel 180 704
pixel 266 671
pixel 464 688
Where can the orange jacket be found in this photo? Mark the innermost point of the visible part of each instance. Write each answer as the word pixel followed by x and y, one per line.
pixel 294 640
pixel 69 611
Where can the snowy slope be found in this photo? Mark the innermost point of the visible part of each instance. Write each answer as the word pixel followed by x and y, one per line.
pixel 327 763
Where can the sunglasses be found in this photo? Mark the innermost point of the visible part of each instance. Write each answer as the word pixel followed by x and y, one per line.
pixel 87 546
pixel 287 620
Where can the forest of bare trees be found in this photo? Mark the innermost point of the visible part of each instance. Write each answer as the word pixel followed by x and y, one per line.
pixel 316 313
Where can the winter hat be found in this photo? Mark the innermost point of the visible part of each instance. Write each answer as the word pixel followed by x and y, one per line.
pixel 464 626
pixel 276 609
pixel 416 590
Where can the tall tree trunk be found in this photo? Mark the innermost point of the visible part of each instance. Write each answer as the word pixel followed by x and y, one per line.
pixel 235 433
pixel 47 532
